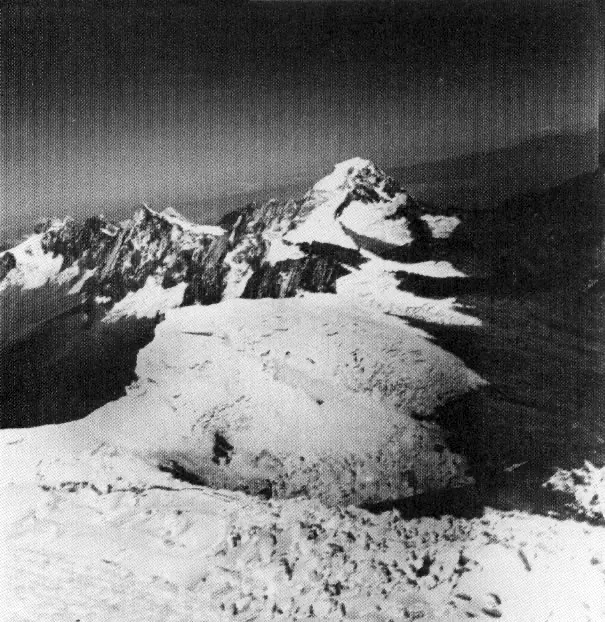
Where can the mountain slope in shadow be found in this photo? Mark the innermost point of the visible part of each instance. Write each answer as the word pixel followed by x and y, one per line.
pixel 486 179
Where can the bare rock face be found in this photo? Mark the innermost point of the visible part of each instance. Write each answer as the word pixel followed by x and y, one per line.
pixel 317 271
pixel 7 263
pixel 123 256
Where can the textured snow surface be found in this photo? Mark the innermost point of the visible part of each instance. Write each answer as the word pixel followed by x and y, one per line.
pixel 85 543
pixel 313 397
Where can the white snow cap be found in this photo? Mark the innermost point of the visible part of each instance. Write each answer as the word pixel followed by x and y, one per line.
pixel 342 173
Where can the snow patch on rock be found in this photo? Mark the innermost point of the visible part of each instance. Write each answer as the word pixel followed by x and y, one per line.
pixel 442 227
pixel 587 487
pixel 282 251
pixel 34 266
pixel 177 219
pixel 433 269
pixel 149 301
pixel 375 284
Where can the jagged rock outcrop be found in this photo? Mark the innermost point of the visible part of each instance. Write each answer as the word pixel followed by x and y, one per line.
pixel 275 249
pixel 7 263
pixel 124 256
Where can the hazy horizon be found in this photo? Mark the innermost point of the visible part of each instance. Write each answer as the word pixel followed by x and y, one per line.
pixel 182 104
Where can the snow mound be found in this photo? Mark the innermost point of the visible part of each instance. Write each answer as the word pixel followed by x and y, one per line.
pixel 301 396
pixel 259 395
pixel 587 487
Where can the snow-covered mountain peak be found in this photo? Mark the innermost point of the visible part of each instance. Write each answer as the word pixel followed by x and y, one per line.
pixel 360 206
pixel 361 178
pixel 346 173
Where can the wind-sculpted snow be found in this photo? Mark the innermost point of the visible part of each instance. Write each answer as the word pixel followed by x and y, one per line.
pixel 304 396
pixel 108 538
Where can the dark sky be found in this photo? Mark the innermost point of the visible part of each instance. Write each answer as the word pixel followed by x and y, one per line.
pixel 108 104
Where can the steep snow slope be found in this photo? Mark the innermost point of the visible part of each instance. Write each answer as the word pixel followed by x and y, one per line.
pixel 375 284
pixel 35 290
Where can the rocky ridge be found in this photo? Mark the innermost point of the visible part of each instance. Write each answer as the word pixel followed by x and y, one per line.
pixel 270 250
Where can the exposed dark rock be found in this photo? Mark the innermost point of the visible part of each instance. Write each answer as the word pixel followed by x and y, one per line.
pixel 206 272
pixel 125 256
pixel 314 273
pixel 7 263
pixel 346 256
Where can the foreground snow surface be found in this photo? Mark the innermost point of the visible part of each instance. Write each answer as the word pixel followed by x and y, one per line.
pixel 93 530
pixel 110 539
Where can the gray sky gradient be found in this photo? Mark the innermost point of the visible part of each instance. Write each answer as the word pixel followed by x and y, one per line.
pixel 107 105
